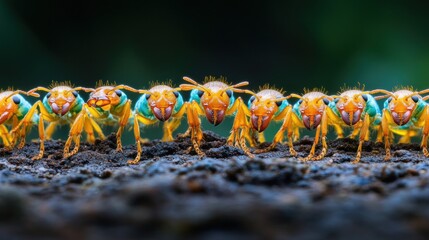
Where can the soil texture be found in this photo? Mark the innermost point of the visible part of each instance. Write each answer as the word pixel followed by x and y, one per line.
pixel 171 193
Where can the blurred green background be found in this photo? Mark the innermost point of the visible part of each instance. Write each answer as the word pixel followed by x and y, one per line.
pixel 291 44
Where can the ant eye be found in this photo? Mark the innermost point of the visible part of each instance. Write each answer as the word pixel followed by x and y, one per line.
pixel 176 94
pixel 365 97
pixel 48 95
pixel 118 92
pixel 299 101
pixel 326 101
pixel 389 99
pixel 75 94
pixel 147 96
pixel 252 98
pixel 279 103
pixel 415 98
pixel 16 99
pixel 229 93
pixel 200 93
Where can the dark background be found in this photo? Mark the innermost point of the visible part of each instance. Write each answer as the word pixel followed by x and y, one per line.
pixel 291 45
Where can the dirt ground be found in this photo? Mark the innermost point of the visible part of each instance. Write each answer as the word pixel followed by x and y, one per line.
pixel 170 194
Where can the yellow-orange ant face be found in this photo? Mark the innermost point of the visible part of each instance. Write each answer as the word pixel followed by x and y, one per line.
pixel 351 105
pixel 8 105
pixel 402 106
pixel 263 107
pixel 262 112
pixel 61 99
pixel 162 100
pixel 105 97
pixel 311 106
pixel 215 97
pixel 216 101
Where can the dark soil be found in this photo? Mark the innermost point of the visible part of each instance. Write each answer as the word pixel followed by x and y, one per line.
pixel 170 194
